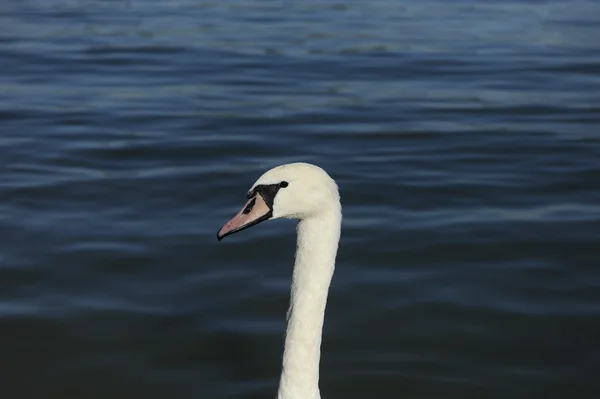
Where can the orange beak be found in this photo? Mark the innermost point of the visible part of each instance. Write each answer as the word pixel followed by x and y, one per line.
pixel 256 210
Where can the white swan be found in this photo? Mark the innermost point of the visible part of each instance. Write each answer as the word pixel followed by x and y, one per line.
pixel 305 192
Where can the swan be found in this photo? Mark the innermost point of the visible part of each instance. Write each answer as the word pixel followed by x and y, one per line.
pixel 305 192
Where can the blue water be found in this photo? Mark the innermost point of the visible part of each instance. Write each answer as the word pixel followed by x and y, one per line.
pixel 464 136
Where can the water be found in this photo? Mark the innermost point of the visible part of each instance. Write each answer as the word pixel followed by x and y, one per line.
pixel 465 137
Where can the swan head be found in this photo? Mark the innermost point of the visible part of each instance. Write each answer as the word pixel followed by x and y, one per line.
pixel 292 191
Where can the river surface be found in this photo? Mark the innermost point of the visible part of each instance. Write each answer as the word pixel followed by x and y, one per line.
pixel 464 136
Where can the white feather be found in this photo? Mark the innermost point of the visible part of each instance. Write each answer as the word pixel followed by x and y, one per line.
pixel 312 197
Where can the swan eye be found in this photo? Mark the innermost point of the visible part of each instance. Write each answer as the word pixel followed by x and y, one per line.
pixel 249 207
pixel 284 184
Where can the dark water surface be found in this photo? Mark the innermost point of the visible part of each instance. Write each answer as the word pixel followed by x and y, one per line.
pixel 465 137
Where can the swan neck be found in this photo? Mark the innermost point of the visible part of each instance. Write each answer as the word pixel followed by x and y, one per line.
pixel 317 245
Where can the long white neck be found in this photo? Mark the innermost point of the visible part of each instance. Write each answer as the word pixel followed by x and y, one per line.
pixel 316 250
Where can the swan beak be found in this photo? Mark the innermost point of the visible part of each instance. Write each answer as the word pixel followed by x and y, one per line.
pixel 253 212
